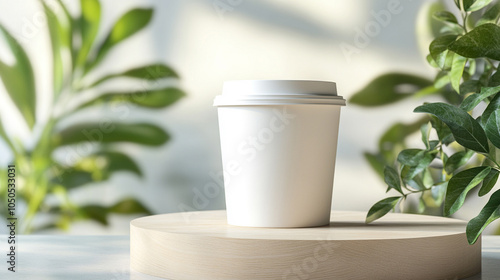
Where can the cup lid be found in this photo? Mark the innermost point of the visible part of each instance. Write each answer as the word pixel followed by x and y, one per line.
pixel 278 92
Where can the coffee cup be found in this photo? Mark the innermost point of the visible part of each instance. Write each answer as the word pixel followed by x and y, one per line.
pixel 278 144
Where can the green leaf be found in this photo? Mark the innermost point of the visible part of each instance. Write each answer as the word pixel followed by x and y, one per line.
pixel 451 28
pixel 460 184
pixel 140 133
pixel 457 2
pixel 438 192
pixel 443 131
pixel 470 86
pixel 477 5
pixel 3 134
pixel 427 179
pixel 411 157
pixel 489 213
pixel 442 79
pixel 56 31
pixel 96 167
pixel 421 204
pixel 439 48
pixel 68 28
pixel 482 41
pixel 381 208
pixel 394 139
pixel 445 16
pixel 129 24
pixel 433 144
pixel 129 206
pixel 444 158
pixel 492 107
pixel 491 15
pixel 418 160
pixel 71 178
pixel 391 178
pixel 8 142
pixel 489 182
pixel 484 77
pixel 426 91
pixel 457 160
pixel 116 161
pixel 89 23
pixel 493 128
pixel 19 80
pixel 159 98
pixel 95 212
pixel 448 62
pixel 126 206
pixel 494 79
pixel 471 67
pixel 376 162
pixel 149 72
pixel 103 163
pixel 389 88
pixel 457 69
pixel 451 25
pixel 431 61
pixel 423 160
pixel 426 26
pixel 473 100
pixel 466 130
pixel 67 25
pixel 425 130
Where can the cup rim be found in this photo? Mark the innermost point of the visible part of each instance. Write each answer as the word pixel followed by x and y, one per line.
pixel 276 92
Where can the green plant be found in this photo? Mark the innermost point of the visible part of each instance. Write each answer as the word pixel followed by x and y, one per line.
pixel 460 152
pixel 41 174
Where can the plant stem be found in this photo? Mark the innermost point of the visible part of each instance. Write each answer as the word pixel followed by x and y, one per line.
pixel 34 203
pixel 464 16
pixel 492 159
pixel 490 63
pixel 37 182
pixel 465 23
pixel 443 171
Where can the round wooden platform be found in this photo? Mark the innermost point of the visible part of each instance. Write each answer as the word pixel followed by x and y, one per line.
pixel 200 245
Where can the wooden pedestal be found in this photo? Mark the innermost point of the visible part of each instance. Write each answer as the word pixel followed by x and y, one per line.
pixel 200 245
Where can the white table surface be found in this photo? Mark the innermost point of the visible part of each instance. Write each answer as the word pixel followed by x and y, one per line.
pixel 107 258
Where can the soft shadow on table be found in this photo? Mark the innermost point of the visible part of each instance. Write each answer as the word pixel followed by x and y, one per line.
pixel 393 224
pixel 488 274
pixel 490 260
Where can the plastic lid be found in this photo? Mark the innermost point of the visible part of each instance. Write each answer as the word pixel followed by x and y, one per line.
pixel 278 92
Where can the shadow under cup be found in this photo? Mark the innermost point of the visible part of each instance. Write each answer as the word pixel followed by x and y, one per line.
pixel 278 143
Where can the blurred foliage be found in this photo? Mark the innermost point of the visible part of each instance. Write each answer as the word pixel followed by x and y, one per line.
pixel 459 152
pixel 44 181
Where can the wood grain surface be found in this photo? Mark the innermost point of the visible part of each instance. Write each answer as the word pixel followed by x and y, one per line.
pixel 200 245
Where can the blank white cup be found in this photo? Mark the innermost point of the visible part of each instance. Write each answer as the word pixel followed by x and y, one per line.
pixel 278 143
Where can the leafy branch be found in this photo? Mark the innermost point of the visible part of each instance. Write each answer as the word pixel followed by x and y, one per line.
pixel 460 152
pixel 76 53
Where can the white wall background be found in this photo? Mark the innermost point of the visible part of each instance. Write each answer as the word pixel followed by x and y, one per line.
pixel 253 39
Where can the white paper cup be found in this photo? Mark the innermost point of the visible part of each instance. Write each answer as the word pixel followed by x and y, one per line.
pixel 278 142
